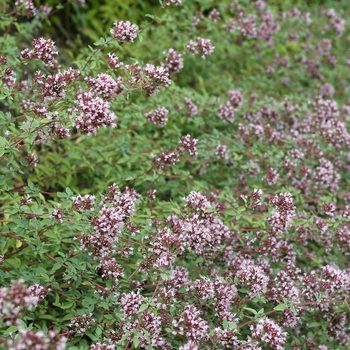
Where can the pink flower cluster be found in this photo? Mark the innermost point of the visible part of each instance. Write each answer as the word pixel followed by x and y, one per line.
pixel 43 50
pixel 227 111
pixel 270 333
pixel 92 113
pixel 159 116
pixel 124 31
pixel 174 61
pixel 105 85
pixel 113 210
pixel 202 47
pixel 280 220
pixel 189 144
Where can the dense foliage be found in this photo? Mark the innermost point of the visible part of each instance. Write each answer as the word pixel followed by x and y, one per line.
pixel 174 175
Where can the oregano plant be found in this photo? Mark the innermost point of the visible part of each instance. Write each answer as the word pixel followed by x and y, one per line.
pixel 174 175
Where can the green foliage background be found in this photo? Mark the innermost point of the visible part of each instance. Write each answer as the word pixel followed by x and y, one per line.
pixel 41 250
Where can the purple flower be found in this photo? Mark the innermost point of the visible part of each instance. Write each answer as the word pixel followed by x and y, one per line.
pixel 159 116
pixel 93 113
pixel 270 333
pixel 202 47
pixel 189 144
pixel 124 31
pixel 105 85
pixel 174 61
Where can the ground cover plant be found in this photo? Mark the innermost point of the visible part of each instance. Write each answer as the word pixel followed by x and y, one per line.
pixel 174 175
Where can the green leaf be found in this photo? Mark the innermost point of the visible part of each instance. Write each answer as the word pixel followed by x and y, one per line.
pixel 314 324
pixel 11 329
pixel 68 305
pixel 136 342
pixel 143 307
pixel 100 41
pixel 251 310
pixel 280 307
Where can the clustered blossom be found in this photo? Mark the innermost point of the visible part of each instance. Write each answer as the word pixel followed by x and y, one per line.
pixel 250 258
pixel 166 248
pixel 246 25
pixel 148 331
pixel 202 47
pixel 54 86
pixel 174 61
pixel 101 346
pixel 326 176
pixel 177 279
pixel 155 78
pixel 38 291
pixel 191 325
pixel 61 132
pixel 110 268
pixel 329 209
pixel 338 23
pixel 19 297
pixel 107 224
pixel 9 79
pixel 325 108
pixel 191 345
pixel 253 200
pixel 192 108
pixel 44 10
pixel 188 144
pixel 334 280
pixel 130 303
pixel 133 73
pixel 227 110
pixel 221 152
pixel 236 98
pixel 124 31
pixel 81 324
pixel 27 7
pixel 165 159
pixel 152 194
pixel 267 27
pixel 86 202
pixel 226 337
pixel 113 61
pixel 335 132
pixel 105 85
pixel 172 2
pixel 214 15
pixel 281 219
pixel 204 289
pixel 92 113
pixel 327 90
pixel 159 116
pixel 36 340
pixel 197 202
pixel 271 176
pixel 250 275
pixel 43 50
pixel 57 214
pixel 284 287
pixel 32 159
pixel 225 296
pixel 270 333
pixel 197 18
pixel 203 232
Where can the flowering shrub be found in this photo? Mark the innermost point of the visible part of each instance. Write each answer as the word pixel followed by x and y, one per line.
pixel 177 180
